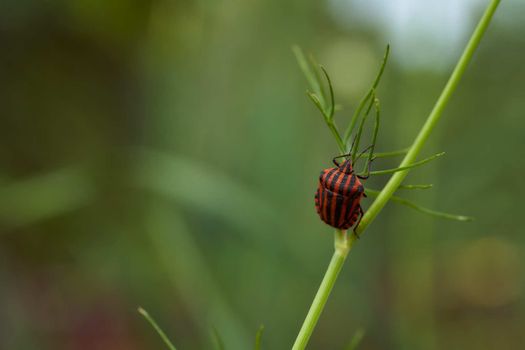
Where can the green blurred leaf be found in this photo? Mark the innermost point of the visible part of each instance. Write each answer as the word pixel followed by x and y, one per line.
pixel 258 337
pixel 40 197
pixel 202 187
pixel 356 339
pixel 219 343
pixel 186 269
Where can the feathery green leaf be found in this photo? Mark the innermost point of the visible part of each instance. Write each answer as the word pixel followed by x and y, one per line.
pixel 375 193
pixel 365 98
pixel 413 165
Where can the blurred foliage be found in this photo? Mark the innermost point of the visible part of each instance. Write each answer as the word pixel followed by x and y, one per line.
pixel 163 153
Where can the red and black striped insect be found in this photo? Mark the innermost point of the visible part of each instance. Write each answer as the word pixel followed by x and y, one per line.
pixel 339 194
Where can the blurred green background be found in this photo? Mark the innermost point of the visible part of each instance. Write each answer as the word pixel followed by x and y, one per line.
pixel 164 154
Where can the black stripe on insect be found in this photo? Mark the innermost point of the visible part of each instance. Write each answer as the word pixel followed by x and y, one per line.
pixel 339 194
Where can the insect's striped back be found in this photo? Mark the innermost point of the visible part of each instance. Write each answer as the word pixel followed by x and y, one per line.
pixel 338 196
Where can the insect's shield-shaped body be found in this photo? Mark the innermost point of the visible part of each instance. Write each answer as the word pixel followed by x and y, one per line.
pixel 338 196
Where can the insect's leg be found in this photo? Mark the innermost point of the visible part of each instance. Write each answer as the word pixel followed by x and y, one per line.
pixel 361 213
pixel 364 177
pixel 363 152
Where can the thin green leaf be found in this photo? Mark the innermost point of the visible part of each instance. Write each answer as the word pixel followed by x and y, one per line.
pixel 337 136
pixel 39 197
pixel 258 337
pixel 315 65
pixel 356 339
pixel 329 122
pixel 413 165
pixel 311 77
pixel 332 98
pixel 361 128
pixel 317 93
pixel 157 328
pixel 205 188
pixel 219 344
pixel 382 68
pixel 415 187
pixel 364 100
pixel 374 135
pixel 375 193
pixel 316 102
pixel 355 116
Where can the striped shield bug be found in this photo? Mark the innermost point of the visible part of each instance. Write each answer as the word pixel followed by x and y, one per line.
pixel 338 196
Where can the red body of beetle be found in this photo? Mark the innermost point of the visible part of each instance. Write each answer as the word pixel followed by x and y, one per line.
pixel 338 196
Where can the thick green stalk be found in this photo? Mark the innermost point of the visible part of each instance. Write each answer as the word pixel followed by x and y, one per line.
pixel 343 243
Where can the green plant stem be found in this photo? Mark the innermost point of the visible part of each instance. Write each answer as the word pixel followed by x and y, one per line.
pixel 432 119
pixel 333 129
pixel 157 328
pixel 343 243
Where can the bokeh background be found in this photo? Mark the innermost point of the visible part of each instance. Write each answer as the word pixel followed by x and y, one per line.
pixel 163 153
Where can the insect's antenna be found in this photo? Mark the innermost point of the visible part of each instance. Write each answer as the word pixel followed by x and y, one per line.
pixel 363 152
pixel 352 146
pixel 341 156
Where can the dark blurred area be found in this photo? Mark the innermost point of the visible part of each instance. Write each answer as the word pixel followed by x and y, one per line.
pixel 164 154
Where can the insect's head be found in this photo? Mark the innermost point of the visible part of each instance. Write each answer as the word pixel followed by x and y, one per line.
pixel 346 165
